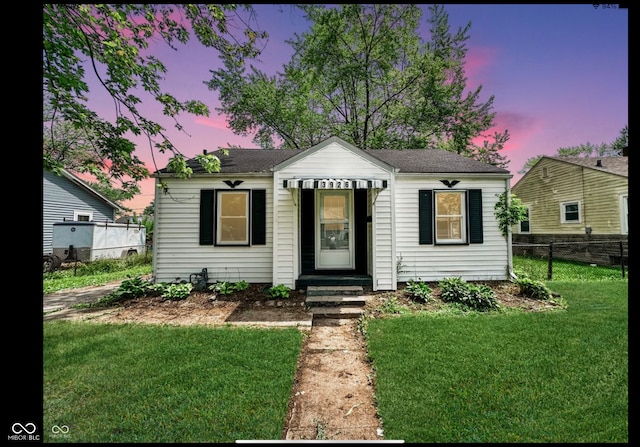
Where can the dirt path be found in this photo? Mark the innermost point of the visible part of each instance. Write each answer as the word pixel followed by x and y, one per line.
pixel 333 396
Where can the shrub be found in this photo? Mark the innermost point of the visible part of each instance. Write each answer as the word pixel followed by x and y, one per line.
pixel 227 288
pixel 533 289
pixel 222 287
pixel 475 297
pixel 241 285
pixel 279 291
pixel 419 291
pixel 129 288
pixel 176 292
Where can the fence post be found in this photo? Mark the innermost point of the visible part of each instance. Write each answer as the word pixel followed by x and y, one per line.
pixel 550 268
pixel 622 258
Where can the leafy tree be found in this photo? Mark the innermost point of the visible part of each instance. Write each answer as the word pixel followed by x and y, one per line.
pixel 509 210
pixel 150 209
pixel 111 40
pixel 74 149
pixel 363 73
pixel 587 150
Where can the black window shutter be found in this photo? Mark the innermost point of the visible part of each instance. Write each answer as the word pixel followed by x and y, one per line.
pixel 475 217
pixel 258 217
pixel 206 216
pixel 425 216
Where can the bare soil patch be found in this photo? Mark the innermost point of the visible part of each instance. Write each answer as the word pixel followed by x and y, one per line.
pixel 333 394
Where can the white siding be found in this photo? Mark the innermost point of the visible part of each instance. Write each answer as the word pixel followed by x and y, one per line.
pixel 331 161
pixel 384 275
pixel 285 255
pixel 177 251
pixel 472 262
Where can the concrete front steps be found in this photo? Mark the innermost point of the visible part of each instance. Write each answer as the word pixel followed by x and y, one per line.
pixel 335 302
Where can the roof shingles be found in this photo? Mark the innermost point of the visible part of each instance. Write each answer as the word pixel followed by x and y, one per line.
pixel 406 160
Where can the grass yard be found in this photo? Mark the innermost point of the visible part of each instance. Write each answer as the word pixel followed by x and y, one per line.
pixel 558 377
pixel 512 377
pixel 157 384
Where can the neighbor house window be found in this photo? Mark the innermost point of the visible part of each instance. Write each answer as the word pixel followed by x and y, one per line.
pixel 232 218
pixel 570 212
pixel 545 172
pixel 525 225
pixel 83 216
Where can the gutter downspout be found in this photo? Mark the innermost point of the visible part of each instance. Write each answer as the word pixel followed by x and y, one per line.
pixel 511 273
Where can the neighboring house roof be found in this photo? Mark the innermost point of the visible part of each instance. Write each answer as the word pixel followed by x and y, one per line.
pixel 613 165
pixel 75 179
pixel 405 160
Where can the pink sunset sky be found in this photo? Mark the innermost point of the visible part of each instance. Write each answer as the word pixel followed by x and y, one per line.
pixel 559 75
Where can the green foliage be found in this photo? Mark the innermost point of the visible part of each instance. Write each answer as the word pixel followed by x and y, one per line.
pixel 533 289
pixel 227 288
pixel 476 297
pixel 177 291
pixel 391 305
pixel 96 273
pixel 129 288
pixel 241 285
pixel 419 291
pixel 113 41
pixel 279 291
pixel 363 73
pixel 509 212
pixel 137 287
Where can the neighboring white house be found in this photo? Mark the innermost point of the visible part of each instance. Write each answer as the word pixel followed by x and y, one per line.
pixel 332 212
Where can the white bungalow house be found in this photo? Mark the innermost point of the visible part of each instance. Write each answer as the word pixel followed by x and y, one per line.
pixel 332 213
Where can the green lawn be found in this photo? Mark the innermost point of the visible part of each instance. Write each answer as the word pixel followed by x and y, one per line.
pixel 558 376
pixel 96 273
pixel 156 384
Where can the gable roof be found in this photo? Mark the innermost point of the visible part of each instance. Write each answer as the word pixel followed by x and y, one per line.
pixel 80 183
pixel 434 161
pixel 613 165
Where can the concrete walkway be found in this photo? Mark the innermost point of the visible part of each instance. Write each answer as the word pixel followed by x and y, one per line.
pixel 65 299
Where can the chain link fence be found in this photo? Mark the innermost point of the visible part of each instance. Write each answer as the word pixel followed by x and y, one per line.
pixel 570 261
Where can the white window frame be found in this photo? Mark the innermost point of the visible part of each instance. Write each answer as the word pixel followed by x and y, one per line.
pixel 463 218
pixel 528 219
pixel 77 214
pixel 563 212
pixel 219 227
pixel 624 214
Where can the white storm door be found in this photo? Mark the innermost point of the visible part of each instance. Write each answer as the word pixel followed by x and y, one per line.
pixel 334 229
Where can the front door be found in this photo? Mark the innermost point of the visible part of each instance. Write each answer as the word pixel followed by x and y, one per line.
pixel 334 238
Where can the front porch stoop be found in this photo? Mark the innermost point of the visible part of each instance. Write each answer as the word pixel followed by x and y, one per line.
pixel 338 302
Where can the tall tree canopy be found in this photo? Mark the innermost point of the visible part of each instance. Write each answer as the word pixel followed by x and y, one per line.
pixel 612 149
pixel 111 40
pixel 362 72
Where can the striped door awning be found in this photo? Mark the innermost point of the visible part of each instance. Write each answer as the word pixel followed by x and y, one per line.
pixel 334 183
